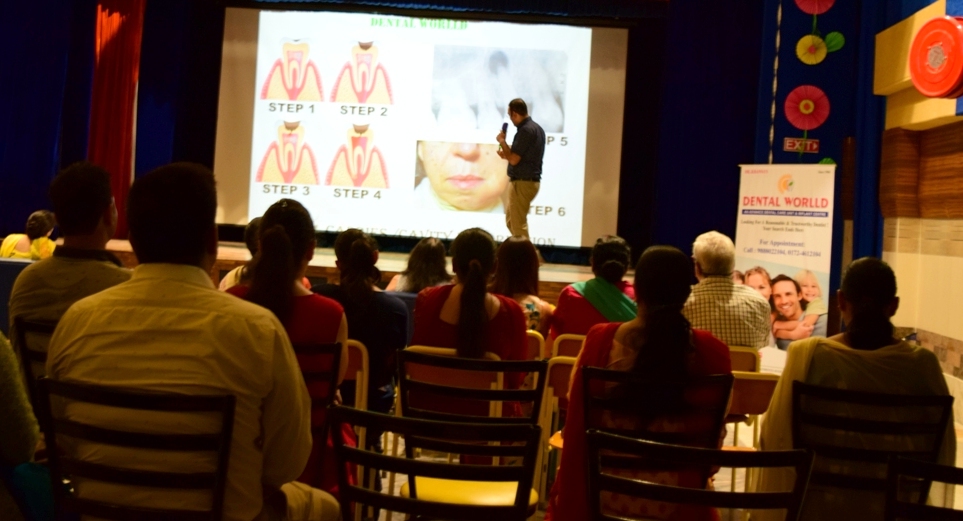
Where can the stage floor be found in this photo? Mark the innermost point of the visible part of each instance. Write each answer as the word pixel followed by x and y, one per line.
pixel 552 277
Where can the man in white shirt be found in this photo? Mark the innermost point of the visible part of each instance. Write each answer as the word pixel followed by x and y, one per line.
pixel 733 313
pixel 168 329
pixel 84 206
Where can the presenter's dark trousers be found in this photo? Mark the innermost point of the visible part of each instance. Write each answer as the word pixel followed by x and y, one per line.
pixel 520 196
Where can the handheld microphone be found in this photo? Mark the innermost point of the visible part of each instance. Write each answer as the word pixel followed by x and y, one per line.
pixel 504 127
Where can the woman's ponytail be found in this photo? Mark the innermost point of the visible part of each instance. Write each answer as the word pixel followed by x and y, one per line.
pixel 473 258
pixel 272 272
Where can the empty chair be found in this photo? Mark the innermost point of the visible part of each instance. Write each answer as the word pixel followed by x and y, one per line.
pixel 32 335
pixel 744 358
pixel 189 486
pixel 907 481
pixel 536 345
pixel 610 455
pixel 568 345
pixel 515 445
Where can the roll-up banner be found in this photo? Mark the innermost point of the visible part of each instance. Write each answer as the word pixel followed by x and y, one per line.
pixel 784 243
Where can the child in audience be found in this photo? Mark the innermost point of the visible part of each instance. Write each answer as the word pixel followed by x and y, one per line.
pixel 516 276
pixel 426 268
pixel 287 242
pixel 35 244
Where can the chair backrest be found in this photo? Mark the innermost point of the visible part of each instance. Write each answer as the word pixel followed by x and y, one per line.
pixel 536 345
pixel 697 421
pixel 744 358
pixel 917 475
pixel 559 378
pixel 515 445
pixel 358 367
pixel 606 452
pixel 33 361
pixel 53 395
pixel 437 385
pixel 854 433
pixel 567 345
pixel 752 392
pixel 320 364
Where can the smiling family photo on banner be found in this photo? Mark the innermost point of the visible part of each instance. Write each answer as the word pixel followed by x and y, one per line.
pixel 784 242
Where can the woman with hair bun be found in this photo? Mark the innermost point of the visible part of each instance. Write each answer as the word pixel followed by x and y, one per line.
pixel 287 243
pixel 35 244
pixel 464 315
pixel 605 298
pixel 867 357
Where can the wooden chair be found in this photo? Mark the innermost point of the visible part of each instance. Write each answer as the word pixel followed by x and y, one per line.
pixel 568 345
pixel 358 371
pixel 516 446
pixel 744 359
pixel 454 389
pixel 608 452
pixel 751 394
pixel 536 345
pixel 555 404
pixel 854 433
pixel 917 476
pixel 32 361
pixel 320 365
pixel 66 466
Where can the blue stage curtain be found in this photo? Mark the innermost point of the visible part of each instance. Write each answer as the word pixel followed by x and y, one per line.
pixel 36 38
pixel 708 117
pixel 179 80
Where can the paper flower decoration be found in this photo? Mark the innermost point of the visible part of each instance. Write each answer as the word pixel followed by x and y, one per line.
pixel 811 49
pixel 835 41
pixel 815 6
pixel 806 107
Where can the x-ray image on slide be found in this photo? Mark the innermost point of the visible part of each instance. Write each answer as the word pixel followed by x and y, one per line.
pixel 471 86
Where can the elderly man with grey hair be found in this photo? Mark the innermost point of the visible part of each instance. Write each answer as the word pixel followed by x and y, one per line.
pixel 733 313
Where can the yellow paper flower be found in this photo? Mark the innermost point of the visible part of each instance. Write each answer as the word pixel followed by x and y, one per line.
pixel 811 49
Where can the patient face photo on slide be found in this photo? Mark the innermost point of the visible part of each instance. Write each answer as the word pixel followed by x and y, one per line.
pixel 460 176
pixel 471 86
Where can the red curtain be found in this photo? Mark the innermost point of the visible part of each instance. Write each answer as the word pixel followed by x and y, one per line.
pixel 120 25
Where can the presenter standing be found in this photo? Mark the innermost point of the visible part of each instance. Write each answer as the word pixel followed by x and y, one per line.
pixel 524 166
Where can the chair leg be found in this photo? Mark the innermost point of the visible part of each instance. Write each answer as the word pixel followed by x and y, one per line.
pixel 735 443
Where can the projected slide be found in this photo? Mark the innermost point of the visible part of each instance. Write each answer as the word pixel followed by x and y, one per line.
pixel 389 123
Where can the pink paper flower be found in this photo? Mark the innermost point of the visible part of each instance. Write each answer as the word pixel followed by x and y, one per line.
pixel 815 6
pixel 806 107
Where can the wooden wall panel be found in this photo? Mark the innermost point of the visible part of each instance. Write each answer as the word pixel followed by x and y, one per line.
pixel 899 174
pixel 941 172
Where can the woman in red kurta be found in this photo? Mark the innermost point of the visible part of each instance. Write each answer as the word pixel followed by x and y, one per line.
pixel 465 316
pixel 287 245
pixel 659 343
pixel 605 298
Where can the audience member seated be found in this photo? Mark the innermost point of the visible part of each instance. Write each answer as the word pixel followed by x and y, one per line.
pixel 733 313
pixel 865 358
pixel 35 244
pixel 464 315
pixel 516 276
pixel 606 298
pixel 20 433
pixel 85 211
pixel 377 319
pixel 426 268
pixel 658 343
pixel 241 275
pixel 794 319
pixel 287 245
pixel 169 329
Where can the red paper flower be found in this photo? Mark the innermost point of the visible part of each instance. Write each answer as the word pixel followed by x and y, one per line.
pixel 815 6
pixel 807 107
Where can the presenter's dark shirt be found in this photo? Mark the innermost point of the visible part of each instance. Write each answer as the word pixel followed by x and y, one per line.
pixel 529 144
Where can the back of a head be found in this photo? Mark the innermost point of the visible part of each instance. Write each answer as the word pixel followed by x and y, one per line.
pixel 518 106
pixel 516 269
pixel 869 286
pixel 252 235
pixel 80 195
pixel 473 257
pixel 286 233
pixel 715 253
pixel 39 224
pixel 426 265
pixel 663 278
pixel 355 251
pixel 170 212
pixel 611 257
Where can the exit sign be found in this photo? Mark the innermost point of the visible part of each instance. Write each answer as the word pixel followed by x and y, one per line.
pixel 798 144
